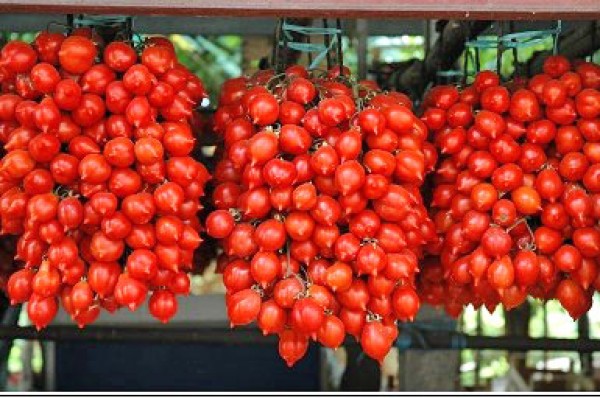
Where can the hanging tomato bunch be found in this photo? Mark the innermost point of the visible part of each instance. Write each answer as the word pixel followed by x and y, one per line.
pixel 318 209
pixel 97 180
pixel 516 195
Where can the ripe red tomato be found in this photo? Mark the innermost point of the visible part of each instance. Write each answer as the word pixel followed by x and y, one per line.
pixel 77 54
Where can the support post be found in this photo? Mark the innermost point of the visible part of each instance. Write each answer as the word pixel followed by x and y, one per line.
pixel 429 370
pixel 362 48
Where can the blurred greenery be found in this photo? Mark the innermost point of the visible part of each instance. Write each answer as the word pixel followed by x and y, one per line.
pixel 386 49
pixel 488 56
pixel 213 58
pixel 494 363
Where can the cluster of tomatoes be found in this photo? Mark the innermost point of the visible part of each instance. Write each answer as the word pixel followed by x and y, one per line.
pixel 516 195
pixel 97 180
pixel 318 209
pixel 317 204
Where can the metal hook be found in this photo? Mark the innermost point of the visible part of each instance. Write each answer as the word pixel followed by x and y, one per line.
pixel 557 37
pixel 515 51
pixel 275 53
pixel 70 20
pixel 499 48
pixel 327 41
pixel 340 43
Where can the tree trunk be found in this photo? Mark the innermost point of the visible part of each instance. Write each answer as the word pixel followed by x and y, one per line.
pixel 576 43
pixel 443 55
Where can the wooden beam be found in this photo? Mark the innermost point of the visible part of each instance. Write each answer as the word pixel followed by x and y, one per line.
pixel 33 22
pixel 454 9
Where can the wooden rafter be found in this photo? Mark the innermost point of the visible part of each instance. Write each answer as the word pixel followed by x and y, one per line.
pixel 454 9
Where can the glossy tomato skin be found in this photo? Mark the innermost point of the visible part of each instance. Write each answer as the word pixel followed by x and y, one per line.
pixel 103 198
pixel 351 196
pixel 534 142
pixel 77 54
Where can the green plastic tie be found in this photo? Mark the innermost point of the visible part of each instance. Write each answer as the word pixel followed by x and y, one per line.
pixel 519 39
pixel 321 49
pixel 95 20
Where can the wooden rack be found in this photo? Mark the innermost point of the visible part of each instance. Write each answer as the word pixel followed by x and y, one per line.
pixel 428 9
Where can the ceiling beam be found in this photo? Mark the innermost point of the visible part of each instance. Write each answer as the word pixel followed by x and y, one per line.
pixel 235 25
pixel 428 9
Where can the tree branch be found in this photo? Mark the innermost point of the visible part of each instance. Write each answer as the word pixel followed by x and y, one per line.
pixel 576 43
pixel 443 55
